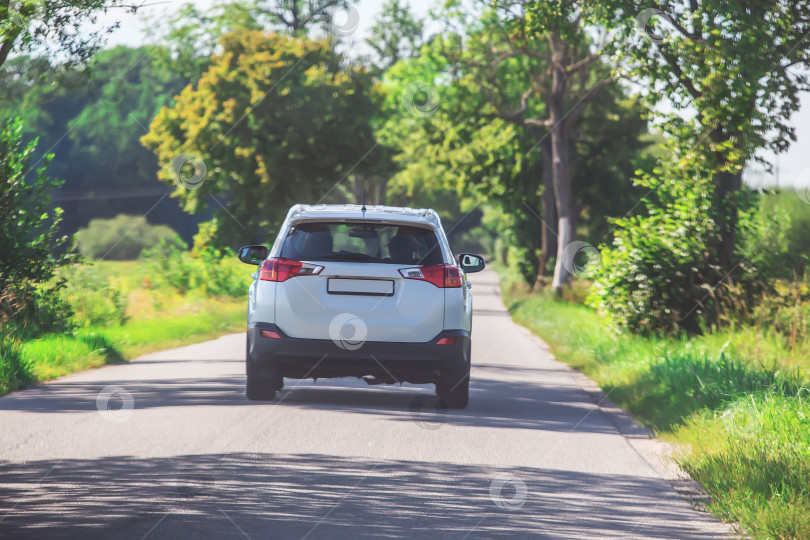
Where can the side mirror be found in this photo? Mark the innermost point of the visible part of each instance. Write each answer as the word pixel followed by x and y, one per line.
pixel 471 263
pixel 253 254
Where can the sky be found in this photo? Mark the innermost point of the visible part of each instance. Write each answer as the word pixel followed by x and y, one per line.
pixel 792 165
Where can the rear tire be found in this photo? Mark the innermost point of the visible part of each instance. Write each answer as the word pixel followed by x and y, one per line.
pixel 456 395
pixel 260 388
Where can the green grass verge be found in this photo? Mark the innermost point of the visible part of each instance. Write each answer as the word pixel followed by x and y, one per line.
pixel 742 417
pixel 158 316
pixel 54 355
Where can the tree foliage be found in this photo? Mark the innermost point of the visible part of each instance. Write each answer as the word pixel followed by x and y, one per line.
pixel 29 241
pixel 396 34
pixel 662 274
pixel 54 27
pixel 275 120
pixel 92 120
pixel 737 65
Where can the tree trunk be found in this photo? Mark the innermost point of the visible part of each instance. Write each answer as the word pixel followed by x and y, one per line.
pixel 560 162
pixel 549 234
pixel 726 187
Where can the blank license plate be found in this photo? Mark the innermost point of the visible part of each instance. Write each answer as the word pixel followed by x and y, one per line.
pixel 367 287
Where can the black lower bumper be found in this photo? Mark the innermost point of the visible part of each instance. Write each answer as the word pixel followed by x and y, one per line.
pixel 383 362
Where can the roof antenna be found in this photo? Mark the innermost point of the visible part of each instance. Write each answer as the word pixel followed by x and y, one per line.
pixel 363 209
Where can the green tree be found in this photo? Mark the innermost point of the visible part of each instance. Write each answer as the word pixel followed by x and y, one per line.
pixel 275 120
pixel 728 71
pixel 29 241
pixel 48 27
pixel 299 16
pixel 92 123
pixel 737 65
pixel 396 34
pixel 189 36
pixel 483 129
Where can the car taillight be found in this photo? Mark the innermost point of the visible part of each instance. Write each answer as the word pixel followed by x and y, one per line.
pixel 447 341
pixel 440 275
pixel 281 269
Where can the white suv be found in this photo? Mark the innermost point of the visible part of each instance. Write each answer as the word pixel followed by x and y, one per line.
pixel 350 291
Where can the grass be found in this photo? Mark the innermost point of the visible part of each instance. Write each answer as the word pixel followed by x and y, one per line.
pixel 737 401
pixel 157 317
pixel 52 356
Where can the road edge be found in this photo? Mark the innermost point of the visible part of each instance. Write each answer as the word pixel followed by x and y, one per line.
pixel 658 454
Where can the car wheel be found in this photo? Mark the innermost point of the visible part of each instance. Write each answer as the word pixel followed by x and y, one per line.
pixel 455 395
pixel 260 388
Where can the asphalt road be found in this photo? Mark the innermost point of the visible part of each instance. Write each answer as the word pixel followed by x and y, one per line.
pixel 167 446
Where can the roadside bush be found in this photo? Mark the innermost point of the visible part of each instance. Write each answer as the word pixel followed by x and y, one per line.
pixel 28 310
pixel 15 371
pixel 205 270
pixel 661 275
pixel 30 248
pixel 786 310
pixel 123 237
pixel 92 299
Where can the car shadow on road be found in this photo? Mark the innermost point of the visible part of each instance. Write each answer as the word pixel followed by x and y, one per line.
pixel 242 495
pixel 493 402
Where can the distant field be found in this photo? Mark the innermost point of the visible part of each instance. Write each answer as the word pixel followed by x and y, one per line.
pixel 737 401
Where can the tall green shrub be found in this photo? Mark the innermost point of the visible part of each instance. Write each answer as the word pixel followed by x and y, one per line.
pixel 30 246
pixel 661 274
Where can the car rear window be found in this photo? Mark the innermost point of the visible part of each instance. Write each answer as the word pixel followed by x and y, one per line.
pixel 362 242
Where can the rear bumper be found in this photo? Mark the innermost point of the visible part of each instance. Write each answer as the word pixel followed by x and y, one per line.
pixel 387 362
